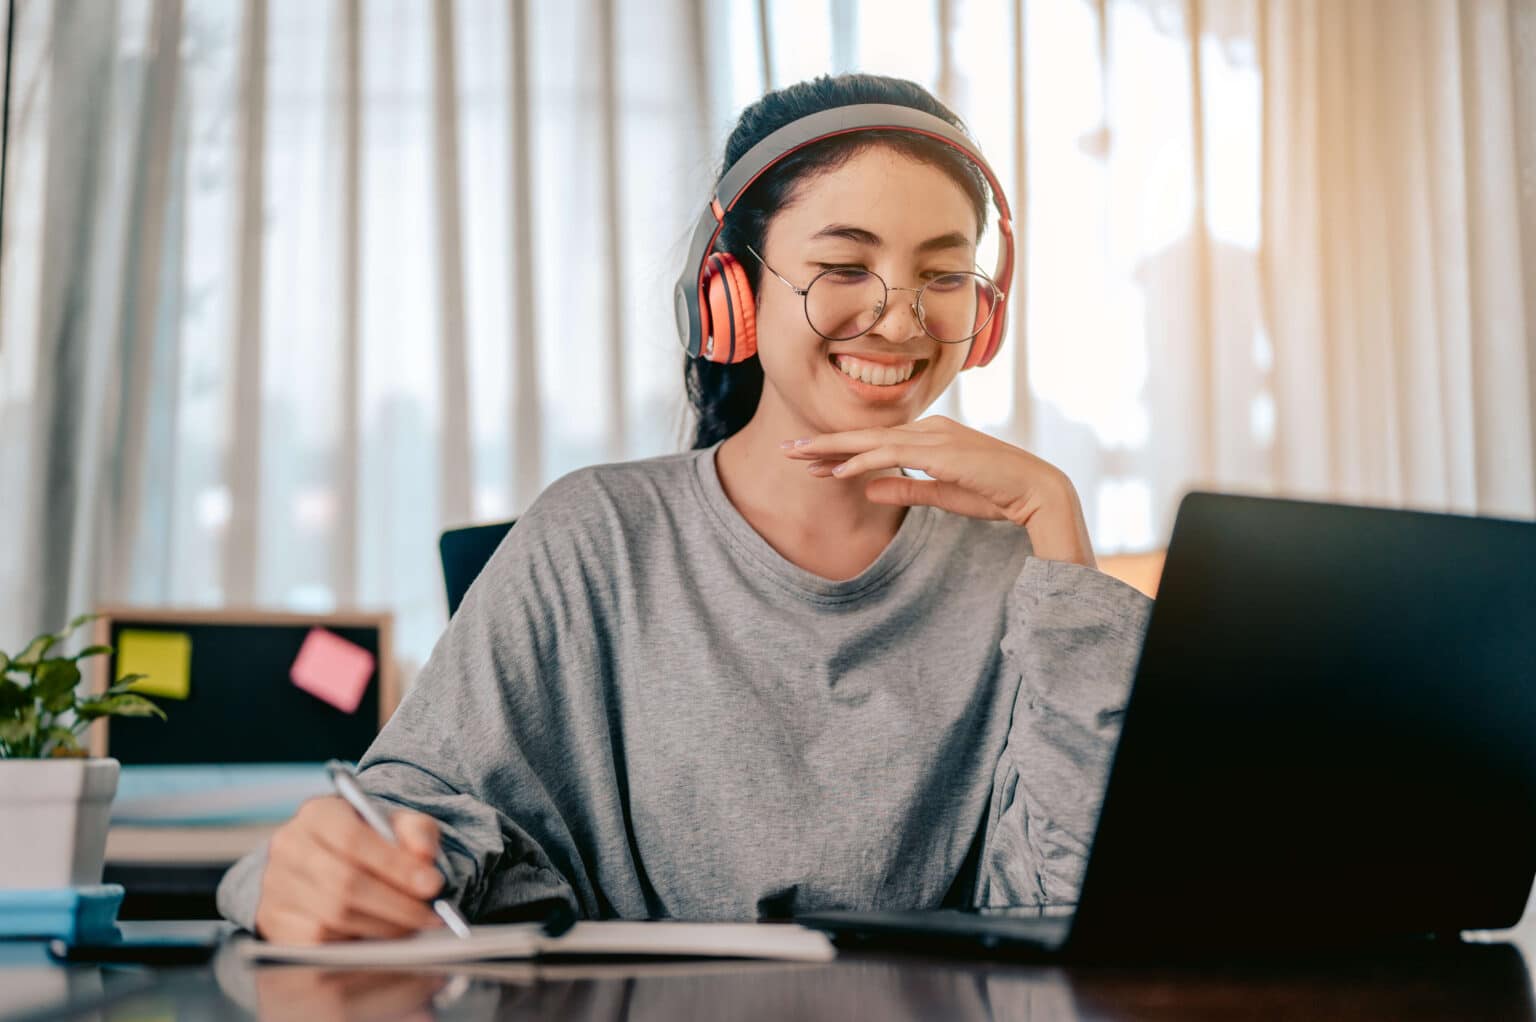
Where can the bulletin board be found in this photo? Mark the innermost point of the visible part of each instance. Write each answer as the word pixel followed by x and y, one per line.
pixel 241 704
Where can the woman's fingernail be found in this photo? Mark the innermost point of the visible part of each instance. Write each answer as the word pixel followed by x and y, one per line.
pixel 801 443
pixel 839 469
pixel 786 445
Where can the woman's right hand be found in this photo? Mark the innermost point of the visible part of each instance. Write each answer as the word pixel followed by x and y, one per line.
pixel 329 876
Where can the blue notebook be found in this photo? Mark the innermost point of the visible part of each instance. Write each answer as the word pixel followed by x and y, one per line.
pixel 75 914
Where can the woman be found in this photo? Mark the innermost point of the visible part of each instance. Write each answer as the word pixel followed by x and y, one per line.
pixel 774 673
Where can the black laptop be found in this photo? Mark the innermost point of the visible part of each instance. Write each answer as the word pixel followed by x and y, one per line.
pixel 1331 741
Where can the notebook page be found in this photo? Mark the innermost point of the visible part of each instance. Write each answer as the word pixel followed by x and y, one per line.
pixel 779 941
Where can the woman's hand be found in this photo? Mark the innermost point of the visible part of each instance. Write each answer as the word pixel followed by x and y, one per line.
pixel 972 474
pixel 329 876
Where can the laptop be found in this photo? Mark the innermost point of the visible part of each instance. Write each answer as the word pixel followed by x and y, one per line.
pixel 1330 741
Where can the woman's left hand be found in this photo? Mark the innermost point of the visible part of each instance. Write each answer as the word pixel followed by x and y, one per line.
pixel 971 474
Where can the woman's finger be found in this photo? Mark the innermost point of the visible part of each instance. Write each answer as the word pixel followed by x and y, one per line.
pixel 855 441
pixel 929 460
pixel 340 918
pixel 336 897
pixel 903 490
pixel 344 884
pixel 335 826
pixel 416 832
pixel 291 926
pixel 991 476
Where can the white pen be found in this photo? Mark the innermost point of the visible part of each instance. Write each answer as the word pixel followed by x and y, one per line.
pixel 344 780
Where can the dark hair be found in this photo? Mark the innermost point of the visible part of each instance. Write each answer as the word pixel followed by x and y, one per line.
pixel 724 397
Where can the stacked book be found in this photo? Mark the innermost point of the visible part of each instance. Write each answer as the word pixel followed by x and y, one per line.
pixel 206 814
pixel 176 828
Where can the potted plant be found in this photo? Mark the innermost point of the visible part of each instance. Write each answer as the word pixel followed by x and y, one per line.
pixel 55 801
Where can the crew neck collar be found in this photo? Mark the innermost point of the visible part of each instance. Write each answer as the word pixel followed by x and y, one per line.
pixel 752 547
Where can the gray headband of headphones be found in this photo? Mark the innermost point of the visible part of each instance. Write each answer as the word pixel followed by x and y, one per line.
pixel 793 136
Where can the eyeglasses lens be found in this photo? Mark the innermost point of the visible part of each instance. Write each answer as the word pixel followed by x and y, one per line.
pixel 845 302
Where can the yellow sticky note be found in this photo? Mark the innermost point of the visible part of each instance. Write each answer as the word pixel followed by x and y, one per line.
pixel 166 657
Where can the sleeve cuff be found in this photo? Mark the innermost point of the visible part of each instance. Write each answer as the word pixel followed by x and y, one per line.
pixel 240 890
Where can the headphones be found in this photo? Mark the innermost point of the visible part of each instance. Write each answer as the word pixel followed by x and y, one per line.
pixel 716 311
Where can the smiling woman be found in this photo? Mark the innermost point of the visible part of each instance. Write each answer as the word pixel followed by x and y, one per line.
pixel 775 673
pixel 725 396
pixel 882 225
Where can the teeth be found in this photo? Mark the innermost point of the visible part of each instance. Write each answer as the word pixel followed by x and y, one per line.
pixel 874 373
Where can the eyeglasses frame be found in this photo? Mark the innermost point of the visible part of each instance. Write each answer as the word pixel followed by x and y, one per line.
pixel 997 299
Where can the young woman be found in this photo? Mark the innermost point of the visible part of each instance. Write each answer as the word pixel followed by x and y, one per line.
pixel 774 673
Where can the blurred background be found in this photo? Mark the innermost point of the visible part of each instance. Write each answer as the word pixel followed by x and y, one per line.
pixel 289 286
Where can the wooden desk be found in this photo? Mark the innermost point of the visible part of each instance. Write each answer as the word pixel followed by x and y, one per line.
pixel 1468 981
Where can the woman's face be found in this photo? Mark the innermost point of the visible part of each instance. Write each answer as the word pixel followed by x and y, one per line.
pixel 908 222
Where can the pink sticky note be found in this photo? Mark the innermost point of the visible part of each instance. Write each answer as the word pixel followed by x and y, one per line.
pixel 331 668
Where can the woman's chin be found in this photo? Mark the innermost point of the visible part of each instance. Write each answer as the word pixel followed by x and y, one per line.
pixel 843 419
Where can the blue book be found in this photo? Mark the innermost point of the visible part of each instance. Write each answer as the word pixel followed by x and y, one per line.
pixel 75 914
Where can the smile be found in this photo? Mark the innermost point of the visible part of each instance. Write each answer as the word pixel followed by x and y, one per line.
pixel 878 374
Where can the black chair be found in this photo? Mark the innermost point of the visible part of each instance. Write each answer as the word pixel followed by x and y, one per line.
pixel 464 552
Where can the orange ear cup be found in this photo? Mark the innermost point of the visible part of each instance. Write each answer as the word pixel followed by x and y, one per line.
pixel 984 345
pixel 730 322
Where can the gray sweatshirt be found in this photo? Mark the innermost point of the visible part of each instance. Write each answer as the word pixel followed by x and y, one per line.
pixel 643 709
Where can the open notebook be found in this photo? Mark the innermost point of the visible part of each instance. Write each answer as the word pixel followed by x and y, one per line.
pixel 783 941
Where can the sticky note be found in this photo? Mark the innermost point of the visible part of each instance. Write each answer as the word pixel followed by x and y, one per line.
pixel 166 657
pixel 329 667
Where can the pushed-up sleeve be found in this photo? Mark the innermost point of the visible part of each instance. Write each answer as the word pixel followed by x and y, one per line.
pixel 1071 643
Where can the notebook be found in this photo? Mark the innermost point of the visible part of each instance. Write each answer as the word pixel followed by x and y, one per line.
pixel 780 941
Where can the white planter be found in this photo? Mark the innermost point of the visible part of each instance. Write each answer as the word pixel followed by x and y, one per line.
pixel 53 821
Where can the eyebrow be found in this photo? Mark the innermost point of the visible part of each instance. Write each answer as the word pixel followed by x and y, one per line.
pixel 860 236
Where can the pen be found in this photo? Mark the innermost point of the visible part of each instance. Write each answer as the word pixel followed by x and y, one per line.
pixel 345 782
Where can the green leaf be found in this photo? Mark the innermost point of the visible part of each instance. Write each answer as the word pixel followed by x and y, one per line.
pixel 35 650
pixel 60 702
pixel 126 683
pixel 55 678
pixel 124 705
pixel 19 730
pixel 12 698
pixel 91 651
pixel 5 664
pixel 76 622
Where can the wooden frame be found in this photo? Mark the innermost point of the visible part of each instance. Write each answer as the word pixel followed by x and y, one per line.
pixel 101 635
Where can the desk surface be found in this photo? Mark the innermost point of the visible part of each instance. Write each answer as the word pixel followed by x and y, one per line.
pixel 1469 981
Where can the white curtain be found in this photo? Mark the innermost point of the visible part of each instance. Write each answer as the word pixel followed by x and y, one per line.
pixel 289 285
pixel 1400 251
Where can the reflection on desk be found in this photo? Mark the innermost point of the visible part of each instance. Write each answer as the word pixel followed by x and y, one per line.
pixel 1429 981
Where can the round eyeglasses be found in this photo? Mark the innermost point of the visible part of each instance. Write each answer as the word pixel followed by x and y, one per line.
pixel 844 302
